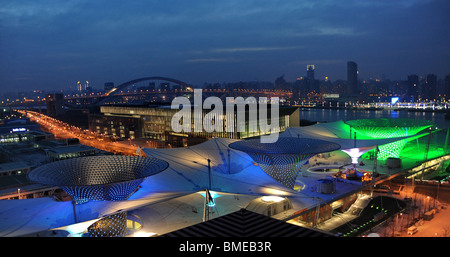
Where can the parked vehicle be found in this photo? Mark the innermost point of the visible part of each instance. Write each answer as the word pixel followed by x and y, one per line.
pixel 412 230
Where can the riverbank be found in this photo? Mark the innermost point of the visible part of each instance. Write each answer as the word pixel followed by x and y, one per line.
pixel 412 109
pixel 333 114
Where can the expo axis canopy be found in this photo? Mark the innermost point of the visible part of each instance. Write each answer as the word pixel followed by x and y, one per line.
pixel 111 177
pixel 284 159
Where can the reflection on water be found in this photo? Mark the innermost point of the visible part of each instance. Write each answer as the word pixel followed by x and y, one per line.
pixel 394 114
pixel 330 115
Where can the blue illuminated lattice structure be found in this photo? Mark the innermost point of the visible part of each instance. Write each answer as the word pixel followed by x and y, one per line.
pixel 284 159
pixel 108 178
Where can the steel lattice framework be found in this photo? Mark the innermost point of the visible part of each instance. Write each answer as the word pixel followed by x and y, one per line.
pixel 389 128
pixel 111 226
pixel 109 178
pixel 284 159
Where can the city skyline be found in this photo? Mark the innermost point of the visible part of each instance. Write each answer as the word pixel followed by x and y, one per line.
pixel 52 45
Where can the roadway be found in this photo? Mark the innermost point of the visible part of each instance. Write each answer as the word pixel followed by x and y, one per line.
pixel 63 130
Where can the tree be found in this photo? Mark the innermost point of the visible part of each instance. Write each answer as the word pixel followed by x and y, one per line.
pixel 446 231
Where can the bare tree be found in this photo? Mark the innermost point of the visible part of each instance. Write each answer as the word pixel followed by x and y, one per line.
pixel 446 231
pixel 388 228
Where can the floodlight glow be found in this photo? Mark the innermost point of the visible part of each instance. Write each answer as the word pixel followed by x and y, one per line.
pixel 394 100
pixel 144 234
pixel 78 229
pixel 213 196
pixel 355 153
pixel 272 198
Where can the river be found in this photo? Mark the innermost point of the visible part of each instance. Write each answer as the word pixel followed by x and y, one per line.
pixel 330 115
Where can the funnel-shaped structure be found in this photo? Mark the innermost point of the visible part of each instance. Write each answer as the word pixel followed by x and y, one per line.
pixel 110 178
pixel 283 159
pixel 388 128
pixel 355 153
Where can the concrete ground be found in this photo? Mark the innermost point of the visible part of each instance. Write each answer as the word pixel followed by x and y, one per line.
pixel 438 226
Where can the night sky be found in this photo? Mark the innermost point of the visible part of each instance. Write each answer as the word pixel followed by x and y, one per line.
pixel 53 44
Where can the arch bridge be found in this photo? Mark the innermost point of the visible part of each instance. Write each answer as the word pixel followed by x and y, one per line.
pixel 117 89
pixel 131 82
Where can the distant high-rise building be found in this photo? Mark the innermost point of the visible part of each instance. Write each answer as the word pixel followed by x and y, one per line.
pixel 88 89
pixel 352 78
pixel 310 71
pixel 151 86
pixel 310 84
pixel 81 87
pixel 430 86
pixel 298 88
pixel 413 87
pixel 164 86
pixel 447 87
pixel 55 104
pixel 109 86
pixel 280 83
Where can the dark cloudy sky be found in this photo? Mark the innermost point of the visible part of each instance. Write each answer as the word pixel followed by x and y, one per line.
pixel 52 44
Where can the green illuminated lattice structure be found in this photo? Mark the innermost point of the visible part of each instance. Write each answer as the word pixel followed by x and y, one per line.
pixel 388 128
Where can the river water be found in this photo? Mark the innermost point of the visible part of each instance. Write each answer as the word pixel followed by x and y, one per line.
pixel 330 115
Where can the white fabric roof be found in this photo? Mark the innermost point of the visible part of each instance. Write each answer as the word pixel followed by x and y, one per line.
pixel 187 173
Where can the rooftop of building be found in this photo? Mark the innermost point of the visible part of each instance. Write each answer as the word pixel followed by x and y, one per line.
pixel 245 223
pixel 15 165
pixel 167 105
pixel 10 183
pixel 71 149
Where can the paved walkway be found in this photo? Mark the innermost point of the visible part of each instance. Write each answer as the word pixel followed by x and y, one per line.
pixel 439 226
